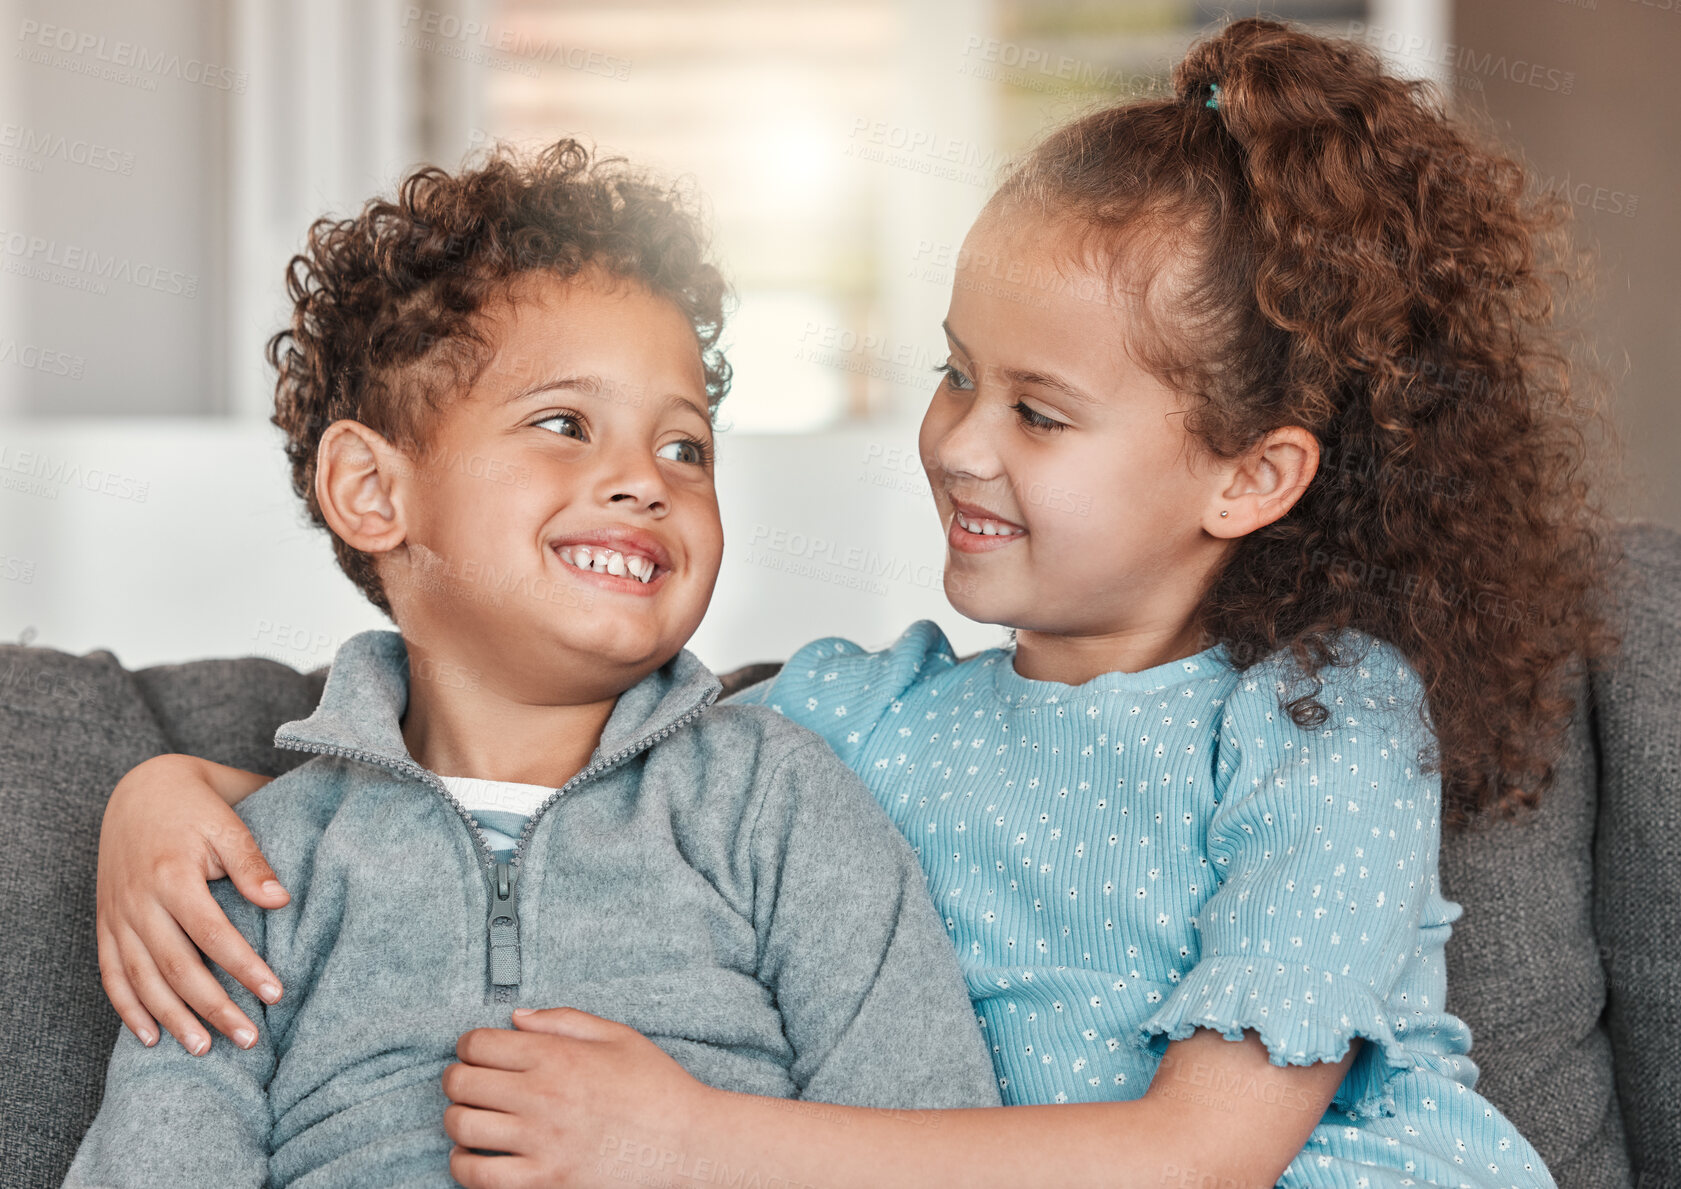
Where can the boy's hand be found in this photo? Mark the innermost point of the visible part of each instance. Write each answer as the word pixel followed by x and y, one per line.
pixel 167 832
pixel 566 1096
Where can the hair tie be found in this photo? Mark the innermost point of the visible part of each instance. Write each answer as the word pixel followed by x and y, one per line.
pixel 1213 96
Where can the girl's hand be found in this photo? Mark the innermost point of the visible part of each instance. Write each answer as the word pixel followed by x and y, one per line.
pixel 576 1100
pixel 566 1096
pixel 167 832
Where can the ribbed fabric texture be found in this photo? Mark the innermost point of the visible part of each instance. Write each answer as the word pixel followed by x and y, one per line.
pixel 1123 862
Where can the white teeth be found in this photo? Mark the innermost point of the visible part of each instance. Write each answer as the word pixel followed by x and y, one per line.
pixel 608 561
pixel 986 528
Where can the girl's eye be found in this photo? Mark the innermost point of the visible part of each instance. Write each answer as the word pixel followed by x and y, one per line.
pixel 955 378
pixel 564 424
pixel 1034 418
pixel 687 450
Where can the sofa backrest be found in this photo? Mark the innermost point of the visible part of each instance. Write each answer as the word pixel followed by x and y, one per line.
pixel 69 728
pixel 1637 852
pixel 1524 972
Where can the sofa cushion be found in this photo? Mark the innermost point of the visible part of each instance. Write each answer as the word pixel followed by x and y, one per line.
pixel 69 728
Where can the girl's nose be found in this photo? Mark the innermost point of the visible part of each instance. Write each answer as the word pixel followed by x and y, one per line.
pixel 965 447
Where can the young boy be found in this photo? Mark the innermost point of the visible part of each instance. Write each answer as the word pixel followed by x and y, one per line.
pixel 497 394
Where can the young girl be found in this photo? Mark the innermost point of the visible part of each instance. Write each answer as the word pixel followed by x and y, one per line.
pixel 1286 335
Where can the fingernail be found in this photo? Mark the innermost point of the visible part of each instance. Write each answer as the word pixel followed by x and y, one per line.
pixel 147 1038
pixel 524 1011
pixel 196 1044
pixel 245 1038
pixel 272 887
pixel 270 993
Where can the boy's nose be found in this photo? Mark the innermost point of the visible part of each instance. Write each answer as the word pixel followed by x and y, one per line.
pixel 635 481
pixel 656 506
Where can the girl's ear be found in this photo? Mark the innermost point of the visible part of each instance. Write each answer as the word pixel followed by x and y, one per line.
pixel 357 483
pixel 1263 484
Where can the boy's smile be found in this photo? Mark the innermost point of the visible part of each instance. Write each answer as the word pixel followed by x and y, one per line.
pixel 616 558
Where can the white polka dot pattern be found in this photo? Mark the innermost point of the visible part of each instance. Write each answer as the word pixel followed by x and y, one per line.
pixel 1123 862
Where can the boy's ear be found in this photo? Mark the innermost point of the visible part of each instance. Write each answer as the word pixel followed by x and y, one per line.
pixel 1264 483
pixel 357 480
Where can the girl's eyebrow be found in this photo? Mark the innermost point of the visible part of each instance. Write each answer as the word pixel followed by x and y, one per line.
pixel 1053 383
pixel 961 345
pixel 1022 376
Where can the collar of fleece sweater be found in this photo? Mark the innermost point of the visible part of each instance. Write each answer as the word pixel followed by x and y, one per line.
pixel 368 689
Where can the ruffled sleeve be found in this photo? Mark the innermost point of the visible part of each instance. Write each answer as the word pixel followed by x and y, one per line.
pixel 1325 843
pixel 841 691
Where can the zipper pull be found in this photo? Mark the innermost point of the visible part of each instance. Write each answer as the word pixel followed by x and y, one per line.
pixel 504 929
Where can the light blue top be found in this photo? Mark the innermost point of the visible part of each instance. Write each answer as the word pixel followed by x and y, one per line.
pixel 1125 861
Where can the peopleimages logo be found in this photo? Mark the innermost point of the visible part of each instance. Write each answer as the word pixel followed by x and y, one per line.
pixel 79 267
pixel 37 145
pixel 1473 66
pixel 34 473
pixel 120 61
pixel 485 45
pixel 42 359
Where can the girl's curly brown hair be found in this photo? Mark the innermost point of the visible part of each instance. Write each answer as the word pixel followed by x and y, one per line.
pixel 1334 252
pixel 386 307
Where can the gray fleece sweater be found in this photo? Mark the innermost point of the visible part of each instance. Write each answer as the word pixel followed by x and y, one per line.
pixel 715 878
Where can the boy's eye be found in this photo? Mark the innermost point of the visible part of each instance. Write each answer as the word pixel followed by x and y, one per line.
pixel 685 450
pixel 564 424
pixel 1034 418
pixel 955 378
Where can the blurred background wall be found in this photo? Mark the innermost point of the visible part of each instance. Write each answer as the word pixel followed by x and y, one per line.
pixel 159 164
pixel 1610 145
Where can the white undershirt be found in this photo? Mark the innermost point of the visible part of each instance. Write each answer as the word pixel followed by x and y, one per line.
pixel 501 807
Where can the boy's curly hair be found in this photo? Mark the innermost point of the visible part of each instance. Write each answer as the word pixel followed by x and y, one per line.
pixel 386 307
pixel 1336 253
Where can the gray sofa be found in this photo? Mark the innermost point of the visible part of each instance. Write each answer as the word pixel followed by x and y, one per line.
pixel 1564 964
